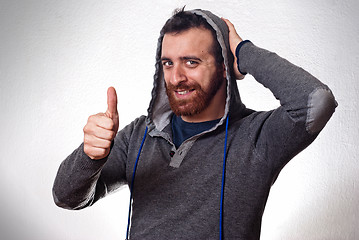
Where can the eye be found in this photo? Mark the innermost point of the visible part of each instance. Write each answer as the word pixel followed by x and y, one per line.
pixel 167 63
pixel 191 63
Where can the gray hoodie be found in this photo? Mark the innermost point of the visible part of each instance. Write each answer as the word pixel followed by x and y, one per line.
pixel 177 193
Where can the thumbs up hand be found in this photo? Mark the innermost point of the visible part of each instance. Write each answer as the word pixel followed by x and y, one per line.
pixel 101 129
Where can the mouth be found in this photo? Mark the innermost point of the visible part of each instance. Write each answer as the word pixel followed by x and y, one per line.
pixel 182 93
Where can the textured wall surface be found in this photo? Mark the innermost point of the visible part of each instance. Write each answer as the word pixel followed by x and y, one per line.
pixel 57 59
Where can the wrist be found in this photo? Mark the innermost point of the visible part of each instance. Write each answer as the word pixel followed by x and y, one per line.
pixel 239 46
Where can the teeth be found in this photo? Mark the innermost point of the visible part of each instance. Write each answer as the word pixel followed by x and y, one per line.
pixel 183 92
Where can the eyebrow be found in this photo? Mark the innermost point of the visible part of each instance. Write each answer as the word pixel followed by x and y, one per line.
pixel 191 58
pixel 165 59
pixel 183 58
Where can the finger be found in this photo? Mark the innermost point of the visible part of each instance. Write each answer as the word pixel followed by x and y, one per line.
pixel 99 120
pixel 104 134
pixel 99 132
pixel 234 38
pixel 230 26
pixel 111 103
pixel 96 142
pixel 96 153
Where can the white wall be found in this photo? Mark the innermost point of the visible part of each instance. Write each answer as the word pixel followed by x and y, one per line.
pixel 57 59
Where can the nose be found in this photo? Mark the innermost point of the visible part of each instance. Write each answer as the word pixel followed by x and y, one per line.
pixel 178 74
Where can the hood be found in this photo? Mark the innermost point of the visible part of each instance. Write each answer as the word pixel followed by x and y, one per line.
pixel 159 110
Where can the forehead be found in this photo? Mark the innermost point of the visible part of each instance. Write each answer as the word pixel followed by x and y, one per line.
pixel 195 41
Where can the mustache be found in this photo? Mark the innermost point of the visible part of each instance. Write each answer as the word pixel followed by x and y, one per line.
pixel 182 86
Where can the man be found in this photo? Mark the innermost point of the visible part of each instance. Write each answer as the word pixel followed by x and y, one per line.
pixel 200 165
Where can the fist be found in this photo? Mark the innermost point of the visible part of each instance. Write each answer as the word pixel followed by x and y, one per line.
pixel 101 129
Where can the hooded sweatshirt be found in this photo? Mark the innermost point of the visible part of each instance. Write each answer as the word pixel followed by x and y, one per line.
pixel 176 193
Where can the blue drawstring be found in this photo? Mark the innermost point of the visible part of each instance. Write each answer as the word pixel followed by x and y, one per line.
pixel 222 188
pixel 132 183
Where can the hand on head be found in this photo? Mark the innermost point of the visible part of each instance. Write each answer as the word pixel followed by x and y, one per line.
pixel 234 40
pixel 101 129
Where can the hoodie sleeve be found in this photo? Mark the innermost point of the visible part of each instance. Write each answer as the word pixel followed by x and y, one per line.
pixel 76 180
pixel 81 181
pixel 306 104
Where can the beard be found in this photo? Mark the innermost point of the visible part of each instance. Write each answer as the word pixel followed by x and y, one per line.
pixel 199 101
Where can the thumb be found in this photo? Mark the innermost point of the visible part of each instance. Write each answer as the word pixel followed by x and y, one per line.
pixel 111 103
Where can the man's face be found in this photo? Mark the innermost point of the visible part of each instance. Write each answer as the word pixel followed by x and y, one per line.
pixel 190 71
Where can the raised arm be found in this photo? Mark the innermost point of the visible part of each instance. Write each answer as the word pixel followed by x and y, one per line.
pixel 306 103
pixel 80 180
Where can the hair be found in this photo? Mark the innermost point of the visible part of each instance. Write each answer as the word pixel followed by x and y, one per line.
pixel 182 20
